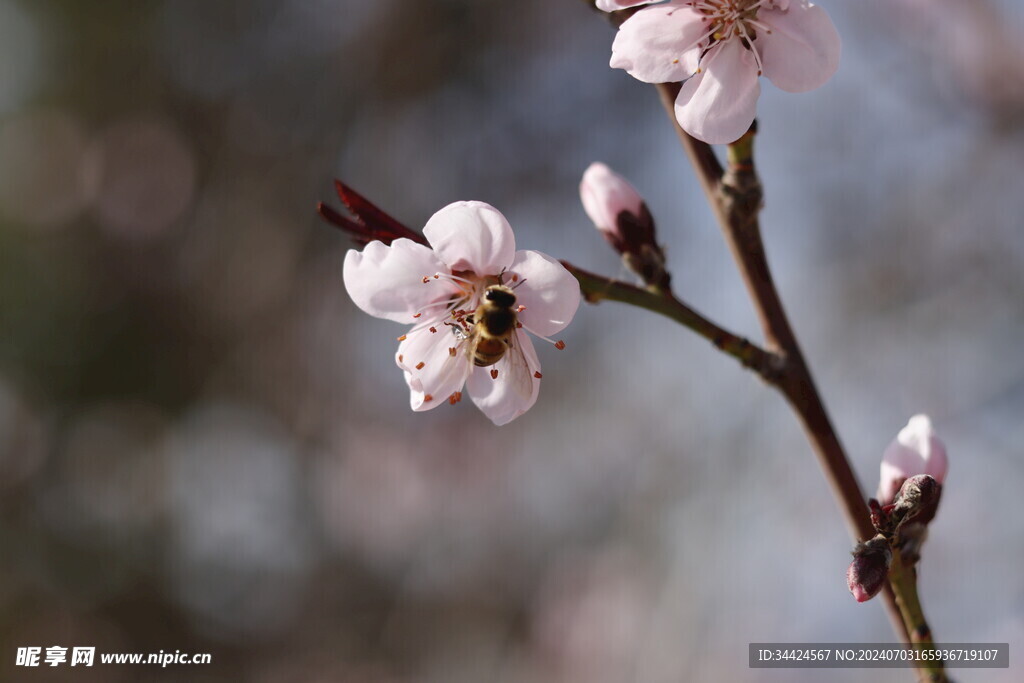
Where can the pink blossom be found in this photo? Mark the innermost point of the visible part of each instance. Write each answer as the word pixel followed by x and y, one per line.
pixel 437 289
pixel 718 49
pixel 916 450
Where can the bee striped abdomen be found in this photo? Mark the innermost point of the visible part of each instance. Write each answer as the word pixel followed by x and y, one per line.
pixel 488 351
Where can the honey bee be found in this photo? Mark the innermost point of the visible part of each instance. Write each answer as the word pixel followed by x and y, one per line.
pixel 494 324
pixel 493 339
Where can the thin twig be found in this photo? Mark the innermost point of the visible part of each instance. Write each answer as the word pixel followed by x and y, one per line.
pixel 597 288
pixel 903 580
pixel 735 198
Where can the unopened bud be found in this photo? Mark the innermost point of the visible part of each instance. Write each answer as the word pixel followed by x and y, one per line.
pixel 606 194
pixel 916 450
pixel 619 212
pixel 870 568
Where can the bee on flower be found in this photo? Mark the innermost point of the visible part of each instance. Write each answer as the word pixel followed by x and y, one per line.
pixel 470 298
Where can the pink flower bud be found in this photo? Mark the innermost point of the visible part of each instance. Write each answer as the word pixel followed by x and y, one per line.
pixel 605 195
pixel 916 450
pixel 619 212
pixel 869 569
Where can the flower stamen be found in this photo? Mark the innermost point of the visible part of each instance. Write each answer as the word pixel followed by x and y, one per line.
pixel 448 303
pixel 449 277
pixel 557 344
pixel 753 50
pixel 729 19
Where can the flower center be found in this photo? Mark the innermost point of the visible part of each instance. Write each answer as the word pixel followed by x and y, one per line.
pixel 729 19
pixel 453 311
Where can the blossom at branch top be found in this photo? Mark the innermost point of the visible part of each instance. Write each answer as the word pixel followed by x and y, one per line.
pixel 438 289
pixel 915 450
pixel 718 49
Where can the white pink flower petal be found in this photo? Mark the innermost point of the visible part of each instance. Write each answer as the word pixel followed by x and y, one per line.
pixel 613 5
pixel 501 398
pixel 660 44
pixel 719 104
pixel 435 365
pixel 548 293
pixel 802 50
pixel 387 281
pixel 471 236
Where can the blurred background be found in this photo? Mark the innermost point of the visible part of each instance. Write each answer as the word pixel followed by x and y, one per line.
pixel 205 447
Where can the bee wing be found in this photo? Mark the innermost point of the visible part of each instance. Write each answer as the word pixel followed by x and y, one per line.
pixel 467 342
pixel 509 388
pixel 519 366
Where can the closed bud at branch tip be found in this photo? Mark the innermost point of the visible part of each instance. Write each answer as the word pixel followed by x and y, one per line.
pixel 619 212
pixel 870 567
